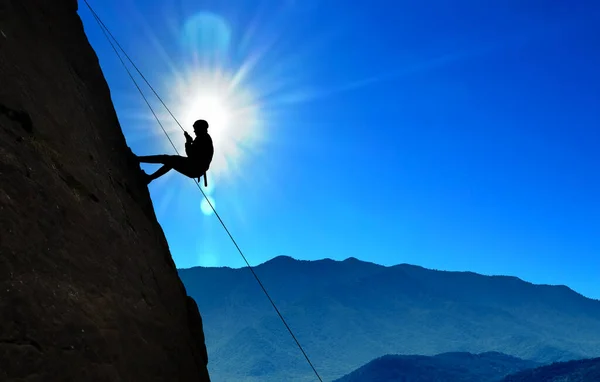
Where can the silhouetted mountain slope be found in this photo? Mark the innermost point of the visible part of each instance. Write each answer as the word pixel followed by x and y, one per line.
pixel 447 367
pixel 88 289
pixel 347 313
pixel 586 370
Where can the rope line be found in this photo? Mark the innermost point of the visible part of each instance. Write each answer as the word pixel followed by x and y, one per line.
pixel 105 30
pixel 137 86
pixel 103 26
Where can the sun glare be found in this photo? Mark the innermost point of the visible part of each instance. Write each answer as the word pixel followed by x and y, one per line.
pixel 231 112
pixel 212 108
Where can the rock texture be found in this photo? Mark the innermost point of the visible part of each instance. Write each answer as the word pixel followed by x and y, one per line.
pixel 88 289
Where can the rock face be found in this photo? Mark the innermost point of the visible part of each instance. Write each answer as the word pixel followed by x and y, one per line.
pixel 88 288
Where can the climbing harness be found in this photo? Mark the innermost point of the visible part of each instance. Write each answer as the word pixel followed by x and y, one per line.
pixel 107 33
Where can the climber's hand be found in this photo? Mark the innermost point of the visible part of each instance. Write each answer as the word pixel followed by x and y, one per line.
pixel 188 138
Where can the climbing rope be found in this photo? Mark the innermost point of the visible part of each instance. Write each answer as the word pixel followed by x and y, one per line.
pixel 107 33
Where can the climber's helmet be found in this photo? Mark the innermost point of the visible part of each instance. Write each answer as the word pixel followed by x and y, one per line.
pixel 200 126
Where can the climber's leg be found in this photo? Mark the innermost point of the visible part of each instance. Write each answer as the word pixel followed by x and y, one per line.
pixel 166 160
pixel 154 158
pixel 185 166
pixel 170 162
pixel 160 172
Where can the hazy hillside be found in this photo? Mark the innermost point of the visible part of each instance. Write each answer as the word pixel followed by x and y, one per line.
pixel 348 313
pixel 447 367
pixel 587 370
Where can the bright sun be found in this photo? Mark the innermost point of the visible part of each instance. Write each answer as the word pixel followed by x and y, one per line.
pixel 231 112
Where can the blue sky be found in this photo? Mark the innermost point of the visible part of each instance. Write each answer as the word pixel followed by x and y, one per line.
pixel 456 135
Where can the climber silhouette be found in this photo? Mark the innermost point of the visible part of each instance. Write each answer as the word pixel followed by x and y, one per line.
pixel 199 155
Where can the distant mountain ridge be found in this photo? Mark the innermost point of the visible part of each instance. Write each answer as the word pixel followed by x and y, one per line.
pixel 346 313
pixel 585 370
pixel 446 367
pixel 467 367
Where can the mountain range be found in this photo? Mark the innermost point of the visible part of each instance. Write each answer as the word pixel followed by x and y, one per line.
pixel 467 367
pixel 347 313
pixel 447 367
pixel 584 370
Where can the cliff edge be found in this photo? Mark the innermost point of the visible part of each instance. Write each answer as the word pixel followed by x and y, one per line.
pixel 88 288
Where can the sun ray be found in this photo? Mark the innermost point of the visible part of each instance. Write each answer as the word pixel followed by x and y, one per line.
pixel 240 98
pixel 230 111
pixel 151 35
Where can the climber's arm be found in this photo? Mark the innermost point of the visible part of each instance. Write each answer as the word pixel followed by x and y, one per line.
pixel 188 143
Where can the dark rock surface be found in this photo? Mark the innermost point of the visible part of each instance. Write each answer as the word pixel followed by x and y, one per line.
pixel 88 289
